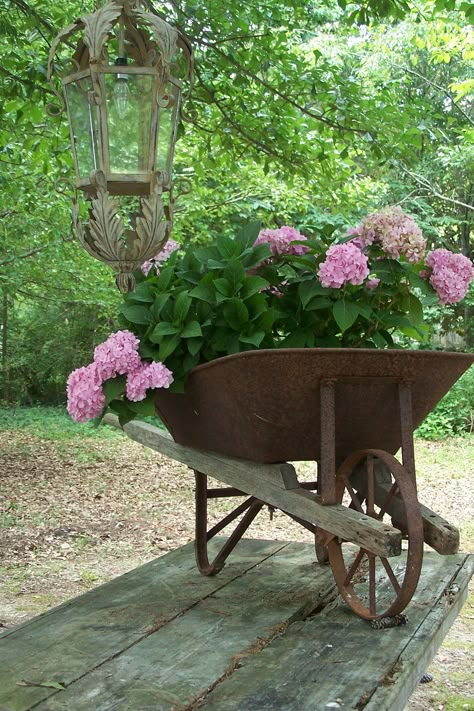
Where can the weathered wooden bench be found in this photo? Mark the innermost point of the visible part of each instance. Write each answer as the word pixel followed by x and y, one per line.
pixel 269 633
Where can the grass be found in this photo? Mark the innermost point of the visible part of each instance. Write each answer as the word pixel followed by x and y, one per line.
pixel 51 423
pixel 443 455
pixel 72 440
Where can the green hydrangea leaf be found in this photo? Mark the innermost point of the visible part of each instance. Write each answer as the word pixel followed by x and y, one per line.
pixel 345 314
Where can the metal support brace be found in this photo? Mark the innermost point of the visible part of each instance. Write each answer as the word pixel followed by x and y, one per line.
pixel 406 428
pixel 327 473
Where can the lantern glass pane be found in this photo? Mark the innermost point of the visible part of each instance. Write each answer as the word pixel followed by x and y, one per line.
pixel 167 130
pixel 83 125
pixel 129 110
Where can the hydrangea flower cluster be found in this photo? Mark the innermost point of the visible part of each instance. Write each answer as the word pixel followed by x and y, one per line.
pixel 118 355
pixel 450 275
pixel 281 240
pixel 85 397
pixel 344 264
pixel 156 261
pixel 148 375
pixel 397 233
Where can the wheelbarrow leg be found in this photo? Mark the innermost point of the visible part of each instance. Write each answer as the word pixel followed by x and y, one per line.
pixel 251 507
pixel 327 468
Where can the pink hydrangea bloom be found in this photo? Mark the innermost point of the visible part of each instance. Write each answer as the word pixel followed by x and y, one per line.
pixel 344 263
pixel 450 276
pixel 372 283
pixel 85 397
pixel 117 355
pixel 280 240
pixel 170 247
pixel 148 375
pixel 397 233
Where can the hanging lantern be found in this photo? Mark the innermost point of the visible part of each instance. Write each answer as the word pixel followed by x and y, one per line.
pixel 122 92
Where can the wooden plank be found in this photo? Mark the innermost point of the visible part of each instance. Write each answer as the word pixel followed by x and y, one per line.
pixel 68 641
pixel 336 658
pixel 250 644
pixel 416 657
pixel 265 482
pixel 166 669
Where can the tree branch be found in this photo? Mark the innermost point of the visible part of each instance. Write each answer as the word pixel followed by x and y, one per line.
pixel 434 191
pixel 248 138
pixel 212 43
pixel 25 255
pixel 304 110
pixel 442 89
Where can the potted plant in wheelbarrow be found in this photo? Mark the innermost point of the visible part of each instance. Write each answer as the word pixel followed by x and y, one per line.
pixel 273 347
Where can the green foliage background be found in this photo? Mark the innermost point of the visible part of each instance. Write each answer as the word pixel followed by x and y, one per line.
pixel 303 113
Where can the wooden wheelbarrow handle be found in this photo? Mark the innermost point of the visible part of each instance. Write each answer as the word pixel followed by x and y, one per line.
pixel 274 484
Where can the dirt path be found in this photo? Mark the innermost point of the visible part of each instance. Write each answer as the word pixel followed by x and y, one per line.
pixel 74 514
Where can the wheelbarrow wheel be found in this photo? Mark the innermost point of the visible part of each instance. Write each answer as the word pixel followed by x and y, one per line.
pixel 371 585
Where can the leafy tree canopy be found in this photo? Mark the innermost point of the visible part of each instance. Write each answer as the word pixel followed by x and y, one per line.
pixel 302 112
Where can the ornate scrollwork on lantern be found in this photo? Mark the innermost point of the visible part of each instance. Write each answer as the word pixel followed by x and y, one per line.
pixel 106 238
pixel 122 92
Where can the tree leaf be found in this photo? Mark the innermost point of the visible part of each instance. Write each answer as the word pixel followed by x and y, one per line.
pixel 181 307
pixel 235 273
pixel 145 407
pixel 168 345
pixel 252 285
pixel 158 305
pixel 308 290
pixel 191 329
pixel 162 329
pixel 224 287
pixel 236 313
pixel 248 234
pixel 113 388
pixel 165 278
pixel 45 684
pixel 143 292
pixel 345 314
pixel 194 345
pixel 204 292
pixel 254 339
pixel 135 313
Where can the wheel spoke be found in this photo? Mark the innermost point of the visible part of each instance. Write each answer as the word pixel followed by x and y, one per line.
pixel 353 495
pixel 393 491
pixel 391 575
pixel 354 566
pixel 372 598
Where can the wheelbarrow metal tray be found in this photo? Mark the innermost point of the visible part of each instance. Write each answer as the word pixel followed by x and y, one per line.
pixel 265 405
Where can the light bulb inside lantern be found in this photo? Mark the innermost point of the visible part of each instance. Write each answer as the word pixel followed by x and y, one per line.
pixel 121 90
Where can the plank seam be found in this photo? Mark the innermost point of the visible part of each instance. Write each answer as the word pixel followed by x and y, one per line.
pixel 199 700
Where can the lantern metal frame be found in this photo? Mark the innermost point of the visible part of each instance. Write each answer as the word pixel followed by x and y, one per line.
pixel 146 49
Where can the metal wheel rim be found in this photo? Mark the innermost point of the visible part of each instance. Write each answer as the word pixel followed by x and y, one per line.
pixel 344 576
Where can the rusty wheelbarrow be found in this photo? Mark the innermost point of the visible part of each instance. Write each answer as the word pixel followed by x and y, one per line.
pixel 244 418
